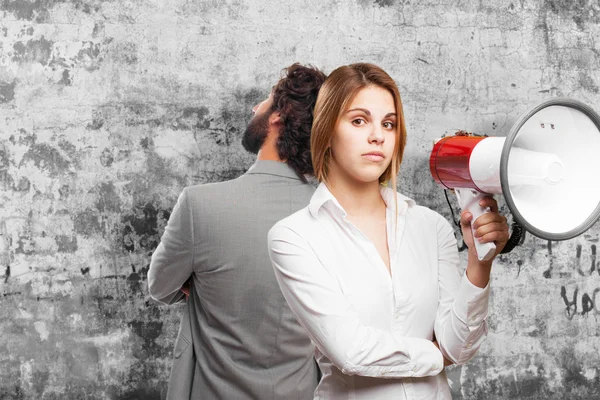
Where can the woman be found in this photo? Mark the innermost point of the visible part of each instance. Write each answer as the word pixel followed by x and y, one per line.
pixel 374 278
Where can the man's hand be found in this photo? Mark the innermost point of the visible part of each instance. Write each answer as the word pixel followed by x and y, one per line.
pixel 185 288
pixel 446 361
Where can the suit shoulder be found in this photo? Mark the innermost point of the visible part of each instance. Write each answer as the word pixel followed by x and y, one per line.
pixel 210 188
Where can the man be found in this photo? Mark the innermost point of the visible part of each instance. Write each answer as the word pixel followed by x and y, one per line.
pixel 238 339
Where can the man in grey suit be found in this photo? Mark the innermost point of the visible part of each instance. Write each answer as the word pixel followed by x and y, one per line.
pixel 238 339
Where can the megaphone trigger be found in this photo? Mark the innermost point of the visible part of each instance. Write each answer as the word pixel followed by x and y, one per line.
pixel 469 200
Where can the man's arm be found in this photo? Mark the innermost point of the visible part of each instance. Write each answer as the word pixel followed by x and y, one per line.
pixel 172 262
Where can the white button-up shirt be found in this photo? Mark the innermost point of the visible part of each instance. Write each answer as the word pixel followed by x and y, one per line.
pixel 366 324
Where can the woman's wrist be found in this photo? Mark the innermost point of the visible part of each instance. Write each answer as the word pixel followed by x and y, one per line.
pixel 478 272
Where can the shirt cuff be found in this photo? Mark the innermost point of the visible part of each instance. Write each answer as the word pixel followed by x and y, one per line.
pixel 425 358
pixel 471 303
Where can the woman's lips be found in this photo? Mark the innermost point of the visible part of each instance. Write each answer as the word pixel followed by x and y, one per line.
pixel 373 156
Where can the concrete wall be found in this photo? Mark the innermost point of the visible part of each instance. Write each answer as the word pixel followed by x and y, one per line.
pixel 109 108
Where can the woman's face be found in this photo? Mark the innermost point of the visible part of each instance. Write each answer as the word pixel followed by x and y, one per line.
pixel 363 142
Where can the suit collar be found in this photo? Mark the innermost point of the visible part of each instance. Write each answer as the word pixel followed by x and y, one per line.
pixel 269 167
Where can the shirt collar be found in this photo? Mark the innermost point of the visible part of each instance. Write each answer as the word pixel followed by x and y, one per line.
pixel 323 196
pixel 270 167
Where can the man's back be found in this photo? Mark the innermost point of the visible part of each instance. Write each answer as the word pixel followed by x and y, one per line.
pixel 248 344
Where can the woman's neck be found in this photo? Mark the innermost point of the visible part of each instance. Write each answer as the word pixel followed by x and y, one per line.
pixel 357 198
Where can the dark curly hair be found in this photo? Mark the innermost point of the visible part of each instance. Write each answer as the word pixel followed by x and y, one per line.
pixel 294 98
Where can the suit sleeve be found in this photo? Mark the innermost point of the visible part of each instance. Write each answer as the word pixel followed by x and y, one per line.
pixel 460 325
pixel 173 260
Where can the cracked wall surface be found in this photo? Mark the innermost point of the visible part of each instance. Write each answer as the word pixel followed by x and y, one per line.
pixel 108 109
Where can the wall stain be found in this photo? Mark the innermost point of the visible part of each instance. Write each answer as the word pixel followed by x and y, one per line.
pixel 66 78
pixel 97 121
pixel 126 53
pixel 39 10
pixel 26 138
pixel 385 3
pixel 142 392
pixel 24 246
pixel 40 380
pixel 89 55
pixel 548 273
pixel 4 156
pixel 140 228
pixel 193 118
pixel 106 158
pixel 23 185
pixel 524 386
pixel 44 156
pixel 145 143
pixel 573 379
pixel 149 331
pixel 98 29
pixel 7 91
pixel 579 11
pixel 88 222
pixel 587 82
pixel 38 50
pixel 66 244
pixel 24 9
pixel 107 199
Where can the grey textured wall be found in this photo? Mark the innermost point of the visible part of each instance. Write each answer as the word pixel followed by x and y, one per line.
pixel 109 108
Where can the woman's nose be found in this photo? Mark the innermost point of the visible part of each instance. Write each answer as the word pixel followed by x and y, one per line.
pixel 377 135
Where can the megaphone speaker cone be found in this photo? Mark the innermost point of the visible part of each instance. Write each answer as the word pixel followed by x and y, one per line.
pixel 550 171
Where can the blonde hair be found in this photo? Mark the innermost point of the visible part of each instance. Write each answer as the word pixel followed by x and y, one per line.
pixel 335 96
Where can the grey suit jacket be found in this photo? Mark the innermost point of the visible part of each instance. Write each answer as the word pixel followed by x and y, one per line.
pixel 237 339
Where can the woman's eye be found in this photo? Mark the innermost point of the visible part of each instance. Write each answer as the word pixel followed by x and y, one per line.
pixel 388 125
pixel 359 121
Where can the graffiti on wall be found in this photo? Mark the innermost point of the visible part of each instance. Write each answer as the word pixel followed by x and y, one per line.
pixel 582 298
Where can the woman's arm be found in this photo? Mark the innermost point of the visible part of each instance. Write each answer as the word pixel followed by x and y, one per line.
pixel 460 325
pixel 172 262
pixel 330 320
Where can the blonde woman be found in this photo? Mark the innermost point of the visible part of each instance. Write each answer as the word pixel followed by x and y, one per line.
pixel 374 278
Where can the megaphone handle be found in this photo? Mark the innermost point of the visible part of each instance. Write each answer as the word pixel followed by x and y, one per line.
pixel 468 199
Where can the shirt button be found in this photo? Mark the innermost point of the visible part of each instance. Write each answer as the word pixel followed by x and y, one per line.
pixel 415 368
pixel 468 345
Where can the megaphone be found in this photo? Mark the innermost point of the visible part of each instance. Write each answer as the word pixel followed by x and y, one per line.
pixel 547 169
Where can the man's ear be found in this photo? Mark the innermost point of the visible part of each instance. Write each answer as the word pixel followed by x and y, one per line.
pixel 275 118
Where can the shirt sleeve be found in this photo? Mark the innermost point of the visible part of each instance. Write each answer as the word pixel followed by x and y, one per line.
pixel 172 261
pixel 316 299
pixel 460 325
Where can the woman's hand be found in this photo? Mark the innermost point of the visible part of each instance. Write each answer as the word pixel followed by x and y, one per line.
pixel 490 227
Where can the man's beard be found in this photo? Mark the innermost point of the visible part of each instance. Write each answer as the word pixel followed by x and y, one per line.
pixel 256 133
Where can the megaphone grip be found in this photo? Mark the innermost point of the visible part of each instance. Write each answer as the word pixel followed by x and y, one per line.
pixel 469 200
